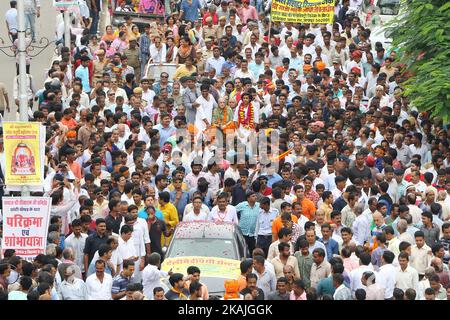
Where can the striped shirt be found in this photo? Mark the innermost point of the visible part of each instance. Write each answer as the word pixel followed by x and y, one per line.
pixel 120 284
pixel 446 244
pixel 144 45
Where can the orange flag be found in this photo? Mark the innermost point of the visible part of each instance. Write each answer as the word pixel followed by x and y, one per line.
pixel 282 156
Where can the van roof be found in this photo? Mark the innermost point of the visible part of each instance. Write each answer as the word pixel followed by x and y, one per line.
pixel 205 229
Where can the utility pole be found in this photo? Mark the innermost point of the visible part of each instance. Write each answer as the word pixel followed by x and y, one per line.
pixel 23 98
pixel 67 28
pixel 22 49
pixel 67 41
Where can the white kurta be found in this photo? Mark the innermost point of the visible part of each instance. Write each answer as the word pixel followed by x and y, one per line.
pixel 244 133
pixel 126 249
pixel 230 215
pixel 204 111
pixel 139 238
pixel 97 290
pixel 151 278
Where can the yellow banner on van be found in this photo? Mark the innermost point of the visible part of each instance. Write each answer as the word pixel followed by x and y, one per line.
pixel 303 11
pixel 209 267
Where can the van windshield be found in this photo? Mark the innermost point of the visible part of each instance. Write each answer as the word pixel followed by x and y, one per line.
pixel 389 7
pixel 219 248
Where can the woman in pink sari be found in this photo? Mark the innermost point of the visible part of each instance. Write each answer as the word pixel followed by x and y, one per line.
pixel 172 26
pixel 109 50
pixel 152 7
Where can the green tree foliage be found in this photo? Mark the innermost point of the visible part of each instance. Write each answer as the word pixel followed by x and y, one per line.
pixel 422 36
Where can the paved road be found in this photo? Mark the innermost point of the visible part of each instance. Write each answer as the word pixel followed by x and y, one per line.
pixel 39 65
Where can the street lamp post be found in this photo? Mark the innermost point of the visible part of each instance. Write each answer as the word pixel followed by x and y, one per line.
pixel 20 52
pixel 23 98
pixel 67 39
pixel 67 29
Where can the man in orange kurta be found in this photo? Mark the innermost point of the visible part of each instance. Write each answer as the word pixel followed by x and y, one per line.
pixel 74 166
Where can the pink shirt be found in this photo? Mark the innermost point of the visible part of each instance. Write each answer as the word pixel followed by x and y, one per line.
pixel 248 13
pixel 350 264
pixel 191 179
pixel 292 296
pixel 119 45
pixel 152 113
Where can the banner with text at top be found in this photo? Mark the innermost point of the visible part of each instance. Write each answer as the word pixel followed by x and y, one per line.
pixel 25 225
pixel 63 5
pixel 210 266
pixel 303 11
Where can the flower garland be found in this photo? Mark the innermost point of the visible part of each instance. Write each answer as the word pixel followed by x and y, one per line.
pixel 119 74
pixel 248 121
pixel 224 118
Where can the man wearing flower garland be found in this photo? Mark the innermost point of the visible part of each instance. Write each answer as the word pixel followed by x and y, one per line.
pixel 246 118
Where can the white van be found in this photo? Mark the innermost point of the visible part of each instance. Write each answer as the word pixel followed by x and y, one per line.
pixel 380 12
pixel 378 17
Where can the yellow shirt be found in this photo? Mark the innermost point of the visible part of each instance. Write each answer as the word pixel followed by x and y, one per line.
pixel 184 187
pixel 141 206
pixel 170 214
pixel 327 210
pixel 182 71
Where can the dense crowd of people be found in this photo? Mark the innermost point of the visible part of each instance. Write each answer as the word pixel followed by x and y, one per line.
pixel 344 195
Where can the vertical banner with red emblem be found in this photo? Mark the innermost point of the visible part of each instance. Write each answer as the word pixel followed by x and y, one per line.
pixel 24 153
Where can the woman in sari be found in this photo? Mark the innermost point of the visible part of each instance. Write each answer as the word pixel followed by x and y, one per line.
pixel 193 36
pixel 152 7
pixel 222 121
pixel 123 28
pixel 109 50
pixel 171 50
pixel 135 34
pixel 178 36
pixel 109 34
pixel 171 25
pixel 222 115
pixel 185 50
